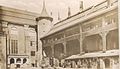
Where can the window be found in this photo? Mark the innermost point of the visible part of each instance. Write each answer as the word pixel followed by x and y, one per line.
pixel 12 60
pixel 32 43
pixel 24 60
pixel 14 46
pixel 18 65
pixel 32 53
pixel 18 60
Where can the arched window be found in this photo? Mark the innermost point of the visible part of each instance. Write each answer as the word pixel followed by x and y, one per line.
pixel 24 60
pixel 12 60
pixel 18 60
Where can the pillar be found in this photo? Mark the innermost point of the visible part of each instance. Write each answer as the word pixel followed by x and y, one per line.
pixel 103 34
pixel 21 60
pixel 8 61
pixel 52 47
pixel 3 51
pixel 25 38
pixel 15 60
pixel 81 40
pixel 104 40
pixel 5 43
pixel 39 44
pixel 64 44
pixel 102 64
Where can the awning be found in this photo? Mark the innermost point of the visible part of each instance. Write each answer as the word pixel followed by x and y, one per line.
pixel 73 57
pixel 95 54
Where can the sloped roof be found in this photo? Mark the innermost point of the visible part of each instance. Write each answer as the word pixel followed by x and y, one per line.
pixel 44 14
pixel 44 11
pixel 81 17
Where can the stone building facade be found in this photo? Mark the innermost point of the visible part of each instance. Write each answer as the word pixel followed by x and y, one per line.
pixel 18 38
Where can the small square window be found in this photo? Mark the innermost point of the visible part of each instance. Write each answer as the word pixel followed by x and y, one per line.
pixel 32 53
pixel 32 43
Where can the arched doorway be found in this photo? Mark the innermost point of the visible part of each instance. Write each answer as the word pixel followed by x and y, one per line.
pixel 12 60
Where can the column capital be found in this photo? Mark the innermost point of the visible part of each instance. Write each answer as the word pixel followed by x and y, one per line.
pixel 4 24
pixel 5 27
pixel 64 43
pixel 104 33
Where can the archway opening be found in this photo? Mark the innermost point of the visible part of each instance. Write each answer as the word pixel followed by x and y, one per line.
pixel 92 43
pixel 73 47
pixel 18 60
pixel 12 60
pixel 112 40
pixel 24 60
pixel 58 50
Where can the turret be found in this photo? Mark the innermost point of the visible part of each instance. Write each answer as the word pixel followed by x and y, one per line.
pixel 44 22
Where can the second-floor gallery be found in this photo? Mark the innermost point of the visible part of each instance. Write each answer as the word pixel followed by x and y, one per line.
pixel 91 34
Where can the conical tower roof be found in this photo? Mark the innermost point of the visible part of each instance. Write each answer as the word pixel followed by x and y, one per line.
pixel 44 14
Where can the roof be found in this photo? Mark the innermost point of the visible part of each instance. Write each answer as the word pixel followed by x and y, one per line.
pixel 44 11
pixel 81 17
pixel 95 54
pixel 18 16
pixel 20 11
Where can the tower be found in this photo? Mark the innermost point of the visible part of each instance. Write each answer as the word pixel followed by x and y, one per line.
pixel 44 21
pixel 44 24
